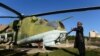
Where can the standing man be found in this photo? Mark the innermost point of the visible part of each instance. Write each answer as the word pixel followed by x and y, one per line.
pixel 79 39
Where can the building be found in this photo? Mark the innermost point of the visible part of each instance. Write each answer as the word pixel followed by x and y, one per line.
pixel 94 34
pixel 2 27
pixel 98 35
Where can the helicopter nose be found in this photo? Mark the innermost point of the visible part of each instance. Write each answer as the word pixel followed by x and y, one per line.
pixel 61 37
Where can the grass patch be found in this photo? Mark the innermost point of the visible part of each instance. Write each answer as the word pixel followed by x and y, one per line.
pixel 93 52
pixel 56 52
pixel 69 52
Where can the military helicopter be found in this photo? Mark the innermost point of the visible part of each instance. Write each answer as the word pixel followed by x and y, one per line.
pixel 31 29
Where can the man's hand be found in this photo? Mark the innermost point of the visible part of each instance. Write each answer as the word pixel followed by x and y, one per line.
pixel 73 29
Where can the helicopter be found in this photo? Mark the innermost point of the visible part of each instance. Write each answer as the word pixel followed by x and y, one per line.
pixel 31 29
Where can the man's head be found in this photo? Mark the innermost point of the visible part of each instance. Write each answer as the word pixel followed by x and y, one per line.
pixel 79 24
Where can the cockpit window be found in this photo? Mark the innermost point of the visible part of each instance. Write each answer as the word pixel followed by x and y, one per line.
pixel 53 24
pixel 61 25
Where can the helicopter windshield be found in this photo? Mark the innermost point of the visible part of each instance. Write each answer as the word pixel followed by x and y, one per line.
pixel 56 24
pixel 53 24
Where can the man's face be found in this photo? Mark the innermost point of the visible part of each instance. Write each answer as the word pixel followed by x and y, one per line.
pixel 79 24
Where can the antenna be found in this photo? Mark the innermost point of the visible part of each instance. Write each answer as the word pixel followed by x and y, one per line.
pixel 66 18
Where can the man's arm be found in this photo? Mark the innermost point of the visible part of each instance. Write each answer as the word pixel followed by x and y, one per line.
pixel 78 29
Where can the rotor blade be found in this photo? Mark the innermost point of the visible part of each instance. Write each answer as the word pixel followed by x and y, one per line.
pixel 10 9
pixel 9 17
pixel 48 13
pixel 68 11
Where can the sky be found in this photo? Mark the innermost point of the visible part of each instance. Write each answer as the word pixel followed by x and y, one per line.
pixel 90 19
